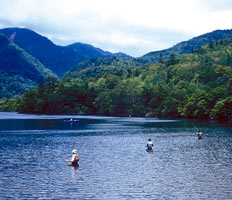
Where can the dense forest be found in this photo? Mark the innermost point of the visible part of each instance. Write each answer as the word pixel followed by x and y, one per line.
pixel 26 55
pixel 187 47
pixel 19 71
pixel 197 85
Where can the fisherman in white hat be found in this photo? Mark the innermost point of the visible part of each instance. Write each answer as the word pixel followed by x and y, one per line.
pixel 75 158
pixel 200 135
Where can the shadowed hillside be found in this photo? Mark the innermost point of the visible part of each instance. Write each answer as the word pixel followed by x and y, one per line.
pixel 189 46
pixel 19 71
pixel 58 59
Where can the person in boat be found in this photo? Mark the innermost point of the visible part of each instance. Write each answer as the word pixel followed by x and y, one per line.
pixel 75 158
pixel 149 145
pixel 200 135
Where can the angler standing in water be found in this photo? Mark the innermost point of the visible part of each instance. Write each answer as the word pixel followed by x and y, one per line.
pixel 149 145
pixel 200 135
pixel 75 158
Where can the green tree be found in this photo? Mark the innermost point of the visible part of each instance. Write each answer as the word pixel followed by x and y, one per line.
pixel 222 109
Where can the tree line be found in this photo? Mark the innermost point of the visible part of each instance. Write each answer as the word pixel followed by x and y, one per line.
pixel 197 85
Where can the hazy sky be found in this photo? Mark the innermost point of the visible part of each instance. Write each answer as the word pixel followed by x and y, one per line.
pixel 135 27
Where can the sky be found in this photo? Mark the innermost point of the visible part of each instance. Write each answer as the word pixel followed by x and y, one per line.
pixel 134 27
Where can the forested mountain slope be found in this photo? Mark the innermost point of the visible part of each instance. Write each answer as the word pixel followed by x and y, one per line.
pixel 59 59
pixel 187 47
pixel 19 71
pixel 197 85
pixel 98 66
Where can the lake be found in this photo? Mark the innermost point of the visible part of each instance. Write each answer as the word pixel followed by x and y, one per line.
pixel 113 163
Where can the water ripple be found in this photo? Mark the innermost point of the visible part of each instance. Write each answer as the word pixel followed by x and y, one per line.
pixel 114 163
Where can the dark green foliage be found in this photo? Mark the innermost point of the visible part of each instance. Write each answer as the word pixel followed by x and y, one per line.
pixel 14 85
pixel 190 46
pixel 172 59
pixel 19 71
pixel 197 85
pixel 95 68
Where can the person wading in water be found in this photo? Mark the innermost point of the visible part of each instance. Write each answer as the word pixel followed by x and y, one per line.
pixel 75 158
pixel 149 145
pixel 200 135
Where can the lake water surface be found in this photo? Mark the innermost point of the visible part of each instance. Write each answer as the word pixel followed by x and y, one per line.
pixel 113 161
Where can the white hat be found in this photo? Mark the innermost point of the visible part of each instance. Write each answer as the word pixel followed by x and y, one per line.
pixel 74 151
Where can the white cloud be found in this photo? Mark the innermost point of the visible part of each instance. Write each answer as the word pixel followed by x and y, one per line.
pixel 132 26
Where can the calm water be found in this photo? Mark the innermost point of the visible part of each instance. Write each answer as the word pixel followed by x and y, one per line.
pixel 113 160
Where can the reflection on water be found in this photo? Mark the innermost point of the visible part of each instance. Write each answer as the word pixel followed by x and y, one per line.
pixel 114 163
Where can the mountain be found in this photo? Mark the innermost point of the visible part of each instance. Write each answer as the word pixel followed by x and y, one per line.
pixel 97 66
pixel 197 85
pixel 58 59
pixel 189 46
pixel 19 71
pixel 94 67
pixel 88 51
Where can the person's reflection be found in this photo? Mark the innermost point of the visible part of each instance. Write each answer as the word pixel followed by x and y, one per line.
pixel 75 167
pixel 76 171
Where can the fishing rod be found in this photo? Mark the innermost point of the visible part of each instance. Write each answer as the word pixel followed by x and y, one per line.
pixel 199 133
pixel 195 126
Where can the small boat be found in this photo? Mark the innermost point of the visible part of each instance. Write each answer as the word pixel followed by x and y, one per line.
pixel 71 121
